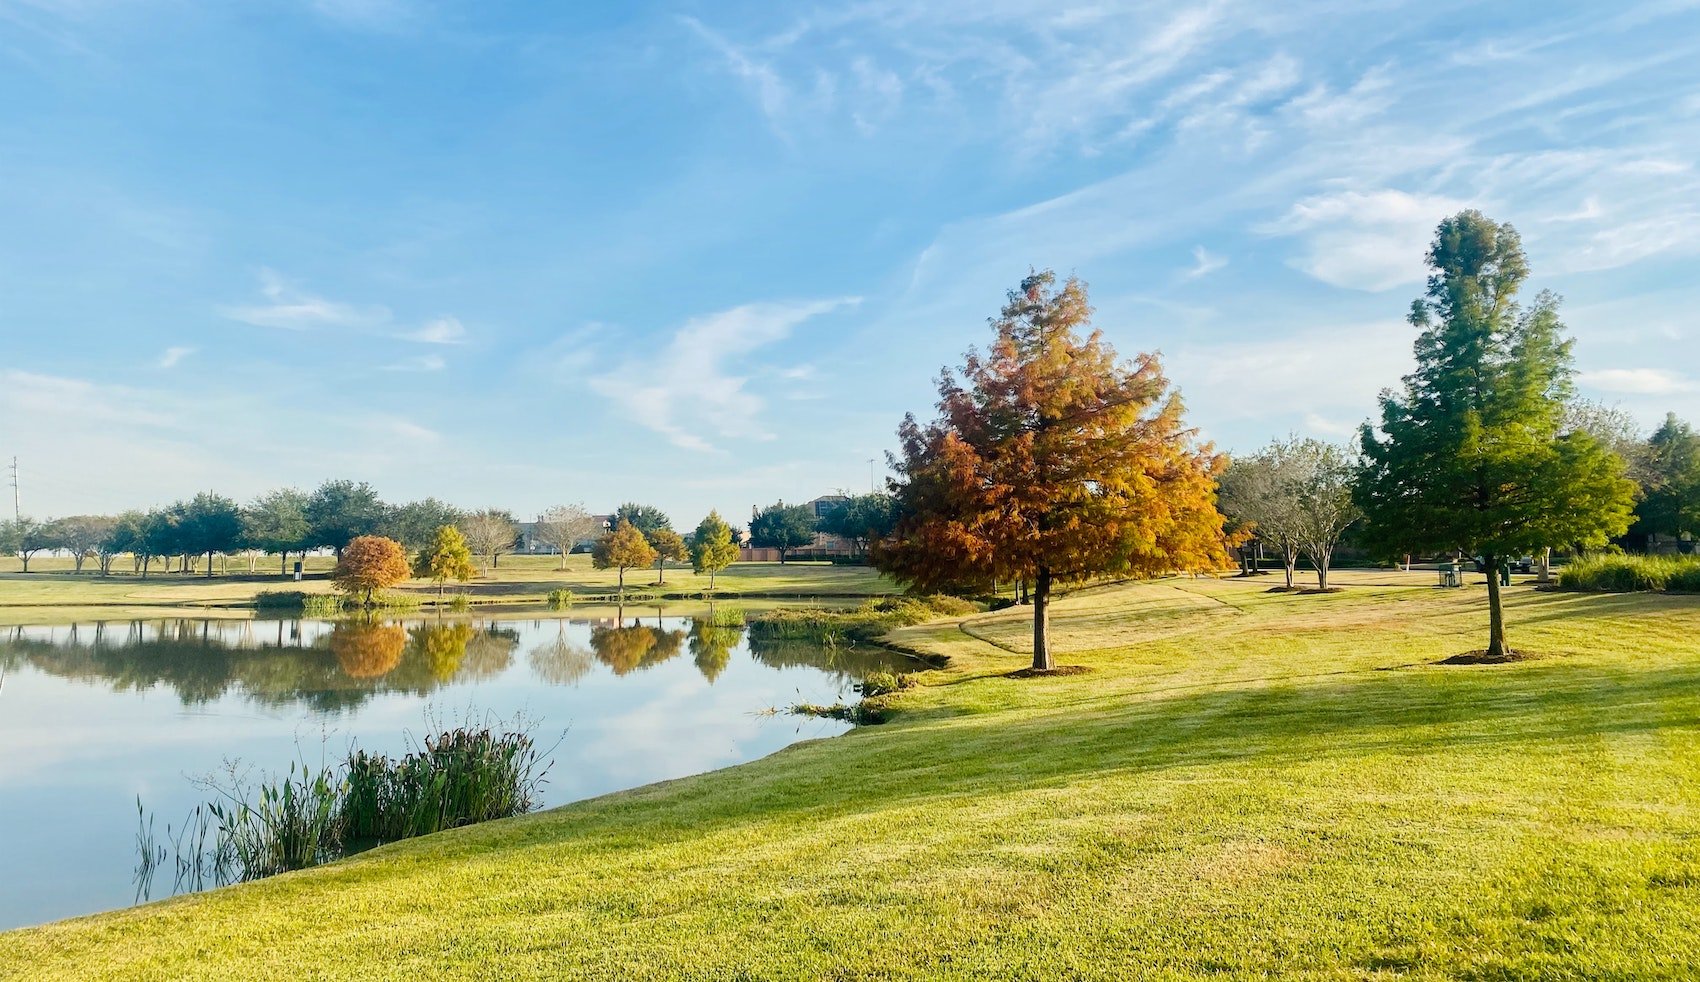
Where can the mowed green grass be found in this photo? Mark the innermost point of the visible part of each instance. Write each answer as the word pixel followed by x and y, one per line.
pixel 516 579
pixel 1245 785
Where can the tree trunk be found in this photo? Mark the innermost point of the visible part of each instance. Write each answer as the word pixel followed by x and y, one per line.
pixel 660 572
pixel 283 564
pixel 1290 562
pixel 1496 616
pixel 711 580
pixel 622 582
pixel 1322 572
pixel 209 563
pixel 1042 621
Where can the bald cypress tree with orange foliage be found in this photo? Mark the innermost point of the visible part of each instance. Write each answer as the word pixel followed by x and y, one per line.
pixel 371 563
pixel 1051 461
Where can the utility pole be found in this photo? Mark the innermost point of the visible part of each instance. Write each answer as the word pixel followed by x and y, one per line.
pixel 17 513
pixel 873 486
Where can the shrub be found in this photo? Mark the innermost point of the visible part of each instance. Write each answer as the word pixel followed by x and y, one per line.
pixel 460 601
pixel 1630 573
pixel 560 599
pixel 884 683
pixel 280 599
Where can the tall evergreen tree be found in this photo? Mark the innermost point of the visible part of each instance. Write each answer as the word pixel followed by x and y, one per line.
pixel 1672 502
pixel 1474 454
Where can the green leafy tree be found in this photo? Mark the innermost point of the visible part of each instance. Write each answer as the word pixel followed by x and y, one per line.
pixel 622 549
pixel 160 537
pixel 783 527
pixel 415 524
pixel 668 546
pixel 446 558
pixel 211 524
pixel 644 518
pixel 276 523
pixel 1473 455
pixel 127 536
pixel 1671 505
pixel 1052 461
pixel 864 519
pixel 340 511
pixel 712 547
pixel 81 536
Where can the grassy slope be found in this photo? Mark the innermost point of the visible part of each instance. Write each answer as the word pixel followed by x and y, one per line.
pixel 518 579
pixel 1245 784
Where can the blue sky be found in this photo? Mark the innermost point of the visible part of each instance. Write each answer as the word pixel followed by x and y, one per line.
pixel 707 254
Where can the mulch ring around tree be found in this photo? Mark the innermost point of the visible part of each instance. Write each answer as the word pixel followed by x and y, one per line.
pixel 1041 673
pixel 1481 657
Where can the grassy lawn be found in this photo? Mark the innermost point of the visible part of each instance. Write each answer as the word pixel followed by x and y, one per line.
pixel 517 579
pixel 1244 785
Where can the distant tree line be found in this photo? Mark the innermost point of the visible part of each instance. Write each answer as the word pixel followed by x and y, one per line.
pixel 183 536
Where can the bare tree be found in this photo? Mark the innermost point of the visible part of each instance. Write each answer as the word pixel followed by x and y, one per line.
pixel 1320 489
pixel 565 526
pixel 490 533
pixel 1253 493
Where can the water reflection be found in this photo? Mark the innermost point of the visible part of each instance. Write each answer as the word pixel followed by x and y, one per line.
pixel 333 666
pixel 86 732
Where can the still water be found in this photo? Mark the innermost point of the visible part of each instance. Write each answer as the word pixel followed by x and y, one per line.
pixel 97 714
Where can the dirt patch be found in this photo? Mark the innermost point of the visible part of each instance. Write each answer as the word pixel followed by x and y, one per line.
pixel 1282 589
pixel 1312 591
pixel 1481 657
pixel 1040 673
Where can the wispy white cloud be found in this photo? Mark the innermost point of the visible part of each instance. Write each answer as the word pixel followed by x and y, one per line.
pixel 1204 262
pixel 1636 381
pixel 687 392
pixel 174 354
pixel 1364 240
pixel 288 307
pixel 442 330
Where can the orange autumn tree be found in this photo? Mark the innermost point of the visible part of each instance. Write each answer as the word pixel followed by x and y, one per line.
pixel 1051 462
pixel 371 563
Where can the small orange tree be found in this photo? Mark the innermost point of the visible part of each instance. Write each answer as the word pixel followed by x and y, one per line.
pixel 371 563
pixel 1051 461
pixel 622 549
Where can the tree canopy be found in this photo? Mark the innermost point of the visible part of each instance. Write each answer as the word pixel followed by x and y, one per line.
pixel 712 547
pixel 1051 460
pixel 415 524
pixel 863 519
pixel 446 558
pixel 622 549
pixel 1671 505
pixel 783 527
pixel 370 563
pixel 1473 454
pixel 340 511
pixel 276 522
pixel 668 546
pixel 644 518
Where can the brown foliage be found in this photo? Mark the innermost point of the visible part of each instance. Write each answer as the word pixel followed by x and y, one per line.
pixel 366 651
pixel 371 563
pixel 1052 461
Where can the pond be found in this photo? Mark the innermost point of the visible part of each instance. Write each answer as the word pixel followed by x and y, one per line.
pixel 95 715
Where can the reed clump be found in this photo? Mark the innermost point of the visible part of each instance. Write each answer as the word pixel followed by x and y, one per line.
pixel 309 815
pixel 865 623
